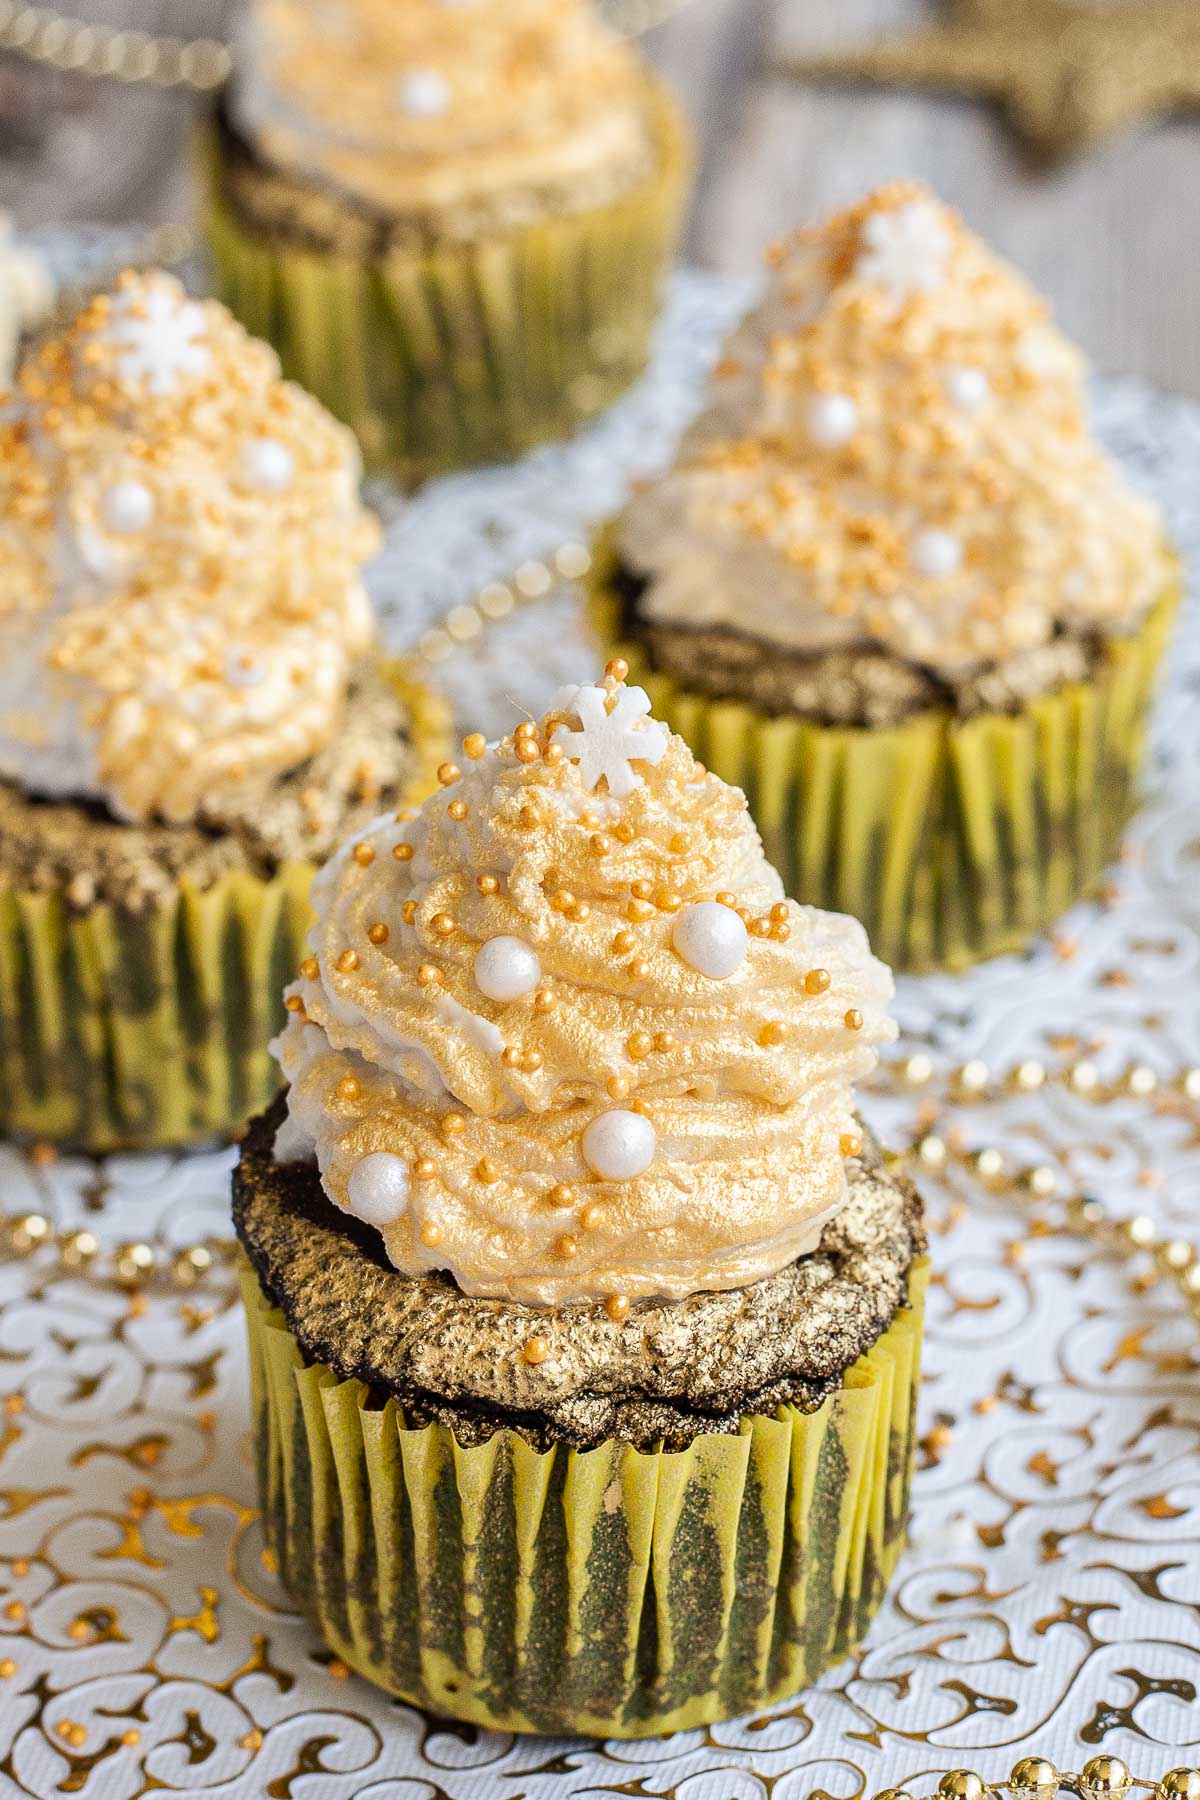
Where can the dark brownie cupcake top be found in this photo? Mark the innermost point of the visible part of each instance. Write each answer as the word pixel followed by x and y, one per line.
pixel 670 1370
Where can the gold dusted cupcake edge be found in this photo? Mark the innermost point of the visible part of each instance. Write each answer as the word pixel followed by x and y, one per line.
pixel 441 356
pixel 142 1030
pixel 610 1592
pixel 951 839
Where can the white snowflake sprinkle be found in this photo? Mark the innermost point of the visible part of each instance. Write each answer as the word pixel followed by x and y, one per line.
pixel 608 743
pixel 156 333
pixel 905 250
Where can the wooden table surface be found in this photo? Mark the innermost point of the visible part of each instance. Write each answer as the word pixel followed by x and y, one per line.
pixel 1114 238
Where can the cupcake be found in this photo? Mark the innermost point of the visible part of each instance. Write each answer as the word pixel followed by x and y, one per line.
pixel 452 221
pixel 893 588
pixel 584 1314
pixel 193 710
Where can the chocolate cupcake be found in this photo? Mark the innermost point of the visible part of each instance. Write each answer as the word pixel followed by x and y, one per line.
pixel 584 1316
pixel 193 710
pixel 453 222
pixel 892 587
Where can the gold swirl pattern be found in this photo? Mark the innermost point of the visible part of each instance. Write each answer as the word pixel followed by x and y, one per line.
pixel 453 105
pixel 897 454
pixel 180 593
pixel 504 1057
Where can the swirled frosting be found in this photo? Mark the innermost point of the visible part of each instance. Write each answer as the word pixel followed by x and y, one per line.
pixel 435 104
pixel 896 456
pixel 561 1034
pixel 180 593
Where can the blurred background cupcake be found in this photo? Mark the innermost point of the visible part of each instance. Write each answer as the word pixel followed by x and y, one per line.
pixel 893 589
pixel 585 1319
pixel 193 708
pixel 452 221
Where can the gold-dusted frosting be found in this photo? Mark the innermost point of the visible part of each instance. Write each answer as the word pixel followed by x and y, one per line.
pixel 503 1049
pixel 180 593
pixel 897 455
pixel 429 105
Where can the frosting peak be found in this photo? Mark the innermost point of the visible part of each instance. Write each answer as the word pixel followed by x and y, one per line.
pixel 454 104
pixel 180 594
pixel 896 456
pixel 570 1003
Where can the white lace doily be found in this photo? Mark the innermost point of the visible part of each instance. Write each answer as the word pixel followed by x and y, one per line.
pixel 1051 1595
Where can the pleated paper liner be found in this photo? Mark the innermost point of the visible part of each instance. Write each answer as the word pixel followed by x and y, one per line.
pixel 440 357
pixel 139 1030
pixel 610 1591
pixel 951 839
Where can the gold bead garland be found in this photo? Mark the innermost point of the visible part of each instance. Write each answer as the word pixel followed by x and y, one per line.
pixel 200 65
pixel 1034 1778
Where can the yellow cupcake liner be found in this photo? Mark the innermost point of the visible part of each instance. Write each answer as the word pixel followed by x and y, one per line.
pixel 441 357
pixel 144 1030
pixel 612 1592
pixel 951 839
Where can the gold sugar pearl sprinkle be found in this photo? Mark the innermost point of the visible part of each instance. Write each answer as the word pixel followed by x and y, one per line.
pixel 601 845
pixel 553 755
pixel 760 928
pixel 448 773
pixel 724 898
pixel 639 969
pixel 679 843
pixel 443 924
pixel 294 1003
pixel 849 1144
pixel 817 981
pixel 431 1234
pixel 639 910
pixel 425 1169
pixel 529 818
pixel 486 1171
pixel 623 943
pixel 561 1195
pixel 618 1087
pixel 347 962
pixel 377 933
pixel 487 884
pixel 452 1125
pixel 623 831
pixel 310 968
pixel 781 933
pixel 535 1351
pixel 428 974
pixel 566 1247
pixel 617 1308
pixel 772 1034
pixel 663 1042
pixel 364 855
pixel 405 816
pixel 666 901
pixel 511 1057
pixel 639 1045
pixel 349 1088
pixel 617 669
pixel 853 1019
pixel 527 751
pixel 544 1001
pixel 474 745
pixel 591 1218
pixel 779 913
pixel 402 852
pixel 408 912
pixel 531 1061
pixel 563 900
pixel 458 809
pixel 526 729
pixel 641 890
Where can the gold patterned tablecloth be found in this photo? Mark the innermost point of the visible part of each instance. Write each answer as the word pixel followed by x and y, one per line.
pixel 1051 1596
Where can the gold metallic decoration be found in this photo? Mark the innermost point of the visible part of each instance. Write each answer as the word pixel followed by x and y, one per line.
pixel 1103 1778
pixel 202 65
pixel 1067 75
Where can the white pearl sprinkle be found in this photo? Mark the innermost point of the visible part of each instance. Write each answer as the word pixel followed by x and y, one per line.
pixel 506 968
pixel 128 507
pixel 711 939
pixel 832 420
pixel 619 1145
pixel 378 1189
pixel 268 465
pixel 936 553
pixel 967 388
pixel 424 93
